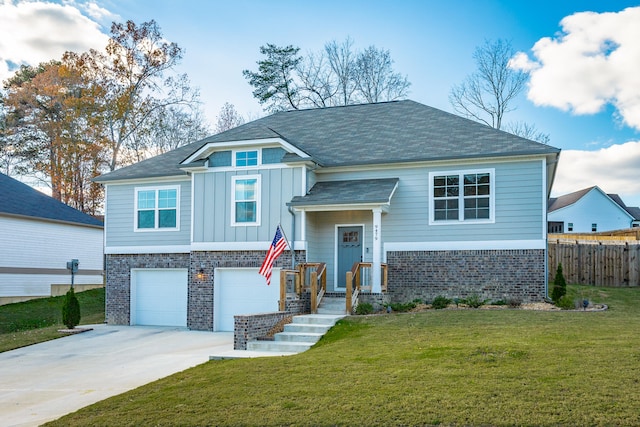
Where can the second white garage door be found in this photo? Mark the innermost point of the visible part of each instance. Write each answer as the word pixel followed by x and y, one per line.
pixel 159 297
pixel 243 291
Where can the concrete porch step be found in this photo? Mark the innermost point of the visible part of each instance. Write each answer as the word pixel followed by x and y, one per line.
pixel 299 335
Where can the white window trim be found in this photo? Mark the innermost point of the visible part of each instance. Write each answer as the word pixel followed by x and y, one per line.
pixel 461 220
pixel 156 228
pixel 258 179
pixel 235 157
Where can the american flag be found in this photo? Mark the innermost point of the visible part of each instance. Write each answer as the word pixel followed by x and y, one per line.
pixel 278 246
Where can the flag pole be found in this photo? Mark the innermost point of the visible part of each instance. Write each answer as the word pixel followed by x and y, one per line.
pixel 293 260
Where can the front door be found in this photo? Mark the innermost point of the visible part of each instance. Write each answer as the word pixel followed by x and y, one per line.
pixel 349 251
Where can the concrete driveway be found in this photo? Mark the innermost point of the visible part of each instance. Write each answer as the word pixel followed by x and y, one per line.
pixel 45 381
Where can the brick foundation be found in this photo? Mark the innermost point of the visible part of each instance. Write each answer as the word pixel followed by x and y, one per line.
pixel 200 290
pixel 491 274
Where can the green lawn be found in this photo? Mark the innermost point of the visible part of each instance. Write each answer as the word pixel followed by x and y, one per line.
pixel 38 320
pixel 445 367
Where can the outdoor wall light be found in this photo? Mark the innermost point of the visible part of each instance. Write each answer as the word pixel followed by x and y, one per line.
pixel 200 274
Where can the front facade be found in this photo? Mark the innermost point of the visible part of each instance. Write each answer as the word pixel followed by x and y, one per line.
pixel 451 206
pixel 39 236
pixel 590 210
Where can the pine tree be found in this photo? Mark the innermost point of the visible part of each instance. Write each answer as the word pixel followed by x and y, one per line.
pixel 559 285
pixel 71 310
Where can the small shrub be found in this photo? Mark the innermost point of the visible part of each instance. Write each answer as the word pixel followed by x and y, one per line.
pixel 566 303
pixel 559 286
pixel 402 307
pixel 499 302
pixel 70 310
pixel 440 302
pixel 474 301
pixel 514 303
pixel 364 308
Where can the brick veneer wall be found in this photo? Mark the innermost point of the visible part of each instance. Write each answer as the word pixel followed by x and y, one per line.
pixel 248 327
pixel 118 287
pixel 200 290
pixel 491 274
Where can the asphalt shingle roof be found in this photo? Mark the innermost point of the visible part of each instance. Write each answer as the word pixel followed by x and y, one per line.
pixel 387 132
pixel 571 198
pixel 348 192
pixel 17 198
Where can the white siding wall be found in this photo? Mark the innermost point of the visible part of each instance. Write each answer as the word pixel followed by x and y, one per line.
pixel 46 245
pixel 592 208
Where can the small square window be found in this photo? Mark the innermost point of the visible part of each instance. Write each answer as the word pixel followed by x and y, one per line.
pixel 570 226
pixel 594 227
pixel 246 158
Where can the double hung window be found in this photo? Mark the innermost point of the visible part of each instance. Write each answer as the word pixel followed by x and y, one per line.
pixel 246 200
pixel 157 209
pixel 461 196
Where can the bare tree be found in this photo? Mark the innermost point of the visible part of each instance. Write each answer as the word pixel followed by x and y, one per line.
pixel 487 94
pixel 228 118
pixel 375 78
pixel 529 131
pixel 338 75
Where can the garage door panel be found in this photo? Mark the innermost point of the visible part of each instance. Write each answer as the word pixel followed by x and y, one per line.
pixel 242 291
pixel 159 297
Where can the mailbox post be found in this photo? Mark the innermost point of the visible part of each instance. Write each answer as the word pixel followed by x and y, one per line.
pixel 73 267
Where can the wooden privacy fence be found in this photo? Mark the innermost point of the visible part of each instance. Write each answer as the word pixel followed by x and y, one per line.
pixel 599 263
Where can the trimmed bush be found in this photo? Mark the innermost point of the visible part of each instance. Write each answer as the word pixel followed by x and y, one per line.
pixel 440 302
pixel 70 310
pixel 402 307
pixel 364 308
pixel 559 286
pixel 566 303
pixel 474 301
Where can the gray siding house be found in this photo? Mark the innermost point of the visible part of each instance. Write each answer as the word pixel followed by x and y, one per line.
pixel 450 206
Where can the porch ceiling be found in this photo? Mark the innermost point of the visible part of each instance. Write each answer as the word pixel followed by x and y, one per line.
pixel 347 195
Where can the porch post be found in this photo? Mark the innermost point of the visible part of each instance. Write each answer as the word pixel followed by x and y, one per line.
pixel 376 270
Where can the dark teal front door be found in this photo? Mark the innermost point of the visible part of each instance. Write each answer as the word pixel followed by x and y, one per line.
pixel 349 251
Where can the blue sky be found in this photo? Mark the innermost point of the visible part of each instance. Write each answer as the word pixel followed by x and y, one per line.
pixel 431 42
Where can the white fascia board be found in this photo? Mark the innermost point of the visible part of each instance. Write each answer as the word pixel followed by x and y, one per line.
pixel 166 249
pixel 343 207
pixel 240 246
pixel 145 181
pixel 466 245
pixel 210 147
pixel 431 163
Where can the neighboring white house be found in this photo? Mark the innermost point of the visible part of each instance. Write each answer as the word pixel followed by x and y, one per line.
pixel 38 236
pixel 590 210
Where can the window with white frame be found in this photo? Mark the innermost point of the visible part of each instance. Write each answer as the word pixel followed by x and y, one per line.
pixel 245 205
pixel 462 196
pixel 246 158
pixel 156 208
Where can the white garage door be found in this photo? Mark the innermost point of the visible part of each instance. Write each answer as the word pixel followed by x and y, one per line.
pixel 159 297
pixel 243 291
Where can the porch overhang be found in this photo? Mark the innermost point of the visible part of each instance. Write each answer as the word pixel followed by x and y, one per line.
pixel 361 194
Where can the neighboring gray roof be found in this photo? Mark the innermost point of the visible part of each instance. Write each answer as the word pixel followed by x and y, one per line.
pixel 571 198
pixel 17 198
pixel 556 203
pixel 387 132
pixel 351 192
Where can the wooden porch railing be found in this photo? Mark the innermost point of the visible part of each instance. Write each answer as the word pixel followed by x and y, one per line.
pixel 359 278
pixel 309 276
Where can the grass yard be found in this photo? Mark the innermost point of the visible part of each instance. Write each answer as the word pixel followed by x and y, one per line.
pixel 444 367
pixel 38 320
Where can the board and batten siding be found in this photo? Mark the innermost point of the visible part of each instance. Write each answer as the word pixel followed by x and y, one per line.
pixel 519 198
pixel 213 210
pixel 119 221
pixel 34 255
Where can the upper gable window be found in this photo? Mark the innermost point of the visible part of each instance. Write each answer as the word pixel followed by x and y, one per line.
pixel 246 158
pixel 156 208
pixel 462 196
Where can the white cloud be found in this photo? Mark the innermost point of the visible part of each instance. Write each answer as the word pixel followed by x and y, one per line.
pixel 594 61
pixel 36 31
pixel 615 169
